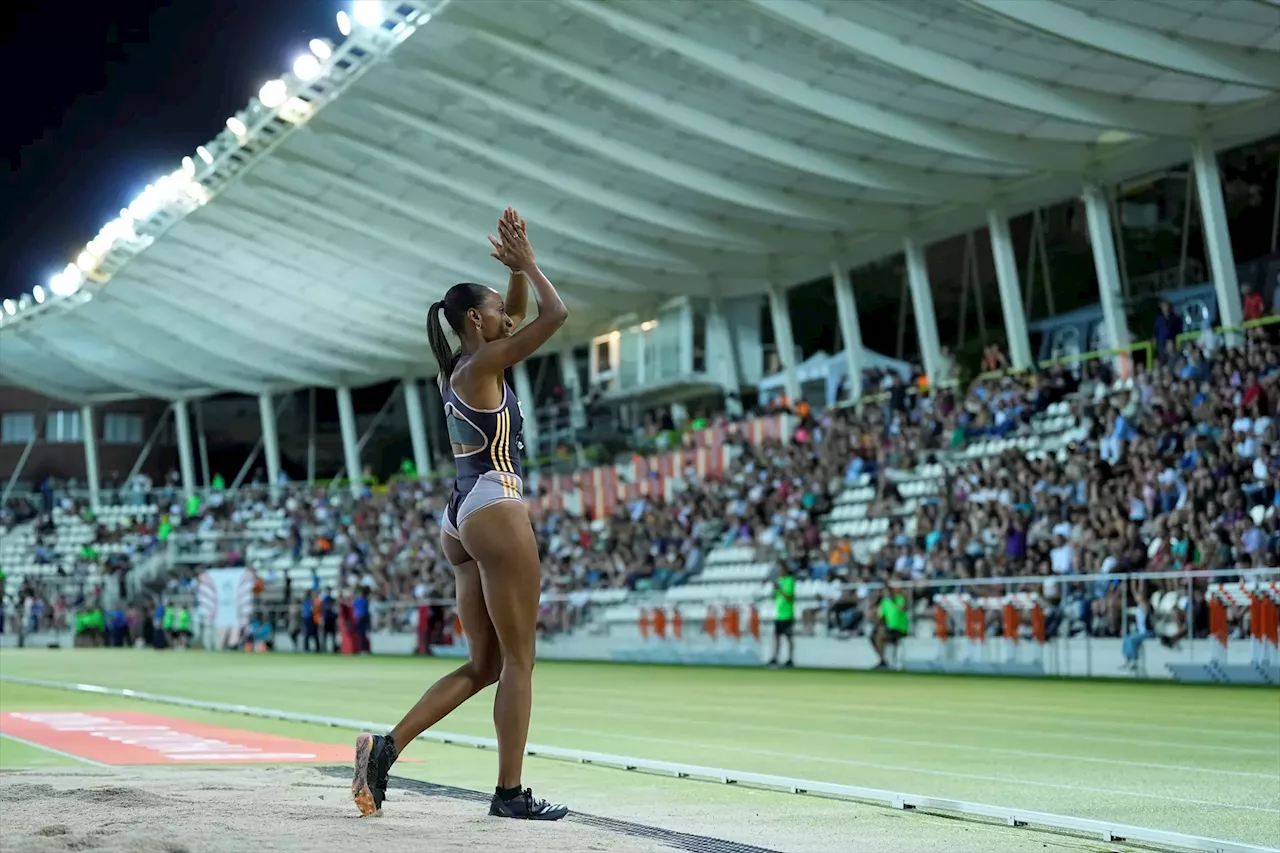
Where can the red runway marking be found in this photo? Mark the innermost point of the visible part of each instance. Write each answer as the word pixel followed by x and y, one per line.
pixel 122 737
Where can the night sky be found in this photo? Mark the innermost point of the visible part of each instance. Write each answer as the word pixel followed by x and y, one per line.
pixel 109 96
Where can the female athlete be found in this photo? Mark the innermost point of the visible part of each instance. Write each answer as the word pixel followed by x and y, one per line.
pixel 486 533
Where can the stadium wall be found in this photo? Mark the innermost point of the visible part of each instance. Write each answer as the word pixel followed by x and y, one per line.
pixel 65 459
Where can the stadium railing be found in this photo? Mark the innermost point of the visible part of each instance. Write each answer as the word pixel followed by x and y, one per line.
pixel 1204 626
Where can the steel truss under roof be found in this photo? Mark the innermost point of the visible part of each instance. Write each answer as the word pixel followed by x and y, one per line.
pixel 657 148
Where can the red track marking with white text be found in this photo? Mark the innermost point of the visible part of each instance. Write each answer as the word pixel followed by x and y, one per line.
pixel 122 737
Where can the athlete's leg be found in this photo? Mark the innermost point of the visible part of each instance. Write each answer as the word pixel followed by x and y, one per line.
pixel 501 539
pixel 483 665
pixel 375 755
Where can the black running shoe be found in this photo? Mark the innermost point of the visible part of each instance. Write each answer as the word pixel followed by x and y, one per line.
pixel 374 757
pixel 524 806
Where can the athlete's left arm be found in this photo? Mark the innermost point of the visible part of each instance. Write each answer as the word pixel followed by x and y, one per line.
pixel 517 303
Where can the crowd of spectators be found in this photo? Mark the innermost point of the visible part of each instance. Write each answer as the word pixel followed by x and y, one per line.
pixel 1177 468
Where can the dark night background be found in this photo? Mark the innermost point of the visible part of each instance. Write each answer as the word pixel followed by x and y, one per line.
pixel 109 96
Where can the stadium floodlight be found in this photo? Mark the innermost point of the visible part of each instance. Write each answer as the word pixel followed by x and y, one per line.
pixel 344 23
pixel 236 126
pixel 368 13
pixel 86 260
pixel 204 154
pixel 66 282
pixel 146 204
pixel 188 167
pixel 273 93
pixel 306 68
pixel 10 307
pixel 321 49
pixel 38 293
pixel 24 302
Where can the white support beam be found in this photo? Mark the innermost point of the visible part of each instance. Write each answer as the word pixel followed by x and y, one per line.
pixel 1148 45
pixel 1098 215
pixel 111 324
pixel 177 315
pixel 922 307
pixel 445 258
pixel 327 321
pixel 350 440
pixel 588 276
pixel 186 466
pixel 202 300
pixel 864 172
pixel 625 247
pixel 89 429
pixel 784 342
pixel 615 147
pixel 865 116
pixel 108 373
pixel 38 383
pixel 1217 237
pixel 1015 315
pixel 309 324
pixel 417 426
pixel 270 441
pixel 372 311
pixel 850 327
pixel 674 220
pixel 722 358
pixel 845 28
pixel 573 389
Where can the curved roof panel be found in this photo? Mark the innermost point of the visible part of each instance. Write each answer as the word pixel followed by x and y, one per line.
pixel 657 149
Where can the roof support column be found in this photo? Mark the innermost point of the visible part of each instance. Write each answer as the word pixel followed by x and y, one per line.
pixel 850 327
pixel 922 307
pixel 573 389
pixel 182 421
pixel 90 431
pixel 202 444
pixel 784 342
pixel 528 414
pixel 417 426
pixel 1098 216
pixel 1217 238
pixel 724 360
pixel 350 441
pixel 1015 315
pixel 270 441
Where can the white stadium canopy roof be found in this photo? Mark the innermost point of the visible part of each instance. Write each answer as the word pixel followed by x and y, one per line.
pixel 657 148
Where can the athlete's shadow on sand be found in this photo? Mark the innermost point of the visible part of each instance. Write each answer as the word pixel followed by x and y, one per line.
pixel 678 840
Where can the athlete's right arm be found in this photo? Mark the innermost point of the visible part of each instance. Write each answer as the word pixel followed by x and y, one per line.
pixel 496 356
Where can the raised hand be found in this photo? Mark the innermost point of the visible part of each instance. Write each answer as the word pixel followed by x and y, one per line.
pixel 512 246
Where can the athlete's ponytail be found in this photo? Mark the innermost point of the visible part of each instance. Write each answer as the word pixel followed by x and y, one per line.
pixel 460 299
pixel 440 348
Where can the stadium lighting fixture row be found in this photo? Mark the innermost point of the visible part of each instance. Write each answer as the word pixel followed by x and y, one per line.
pixel 182 184
pixel 368 13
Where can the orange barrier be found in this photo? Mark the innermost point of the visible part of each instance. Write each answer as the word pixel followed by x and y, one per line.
pixel 644 623
pixel 660 623
pixel 712 623
pixel 753 623
pixel 677 624
pixel 732 622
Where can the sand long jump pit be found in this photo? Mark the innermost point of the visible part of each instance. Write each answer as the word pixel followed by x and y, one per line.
pixel 152 784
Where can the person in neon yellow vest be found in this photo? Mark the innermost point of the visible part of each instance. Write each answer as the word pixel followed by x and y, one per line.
pixel 894 624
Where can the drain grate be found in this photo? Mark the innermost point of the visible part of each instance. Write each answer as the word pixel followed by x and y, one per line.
pixel 679 840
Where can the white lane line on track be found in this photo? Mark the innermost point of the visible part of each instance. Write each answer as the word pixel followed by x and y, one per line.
pixel 41 746
pixel 854 712
pixel 791 756
pixel 854 707
pixel 1022 753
